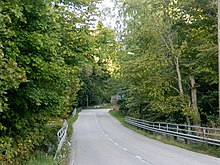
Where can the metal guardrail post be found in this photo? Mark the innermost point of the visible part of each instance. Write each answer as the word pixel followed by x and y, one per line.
pixel 204 132
pixel 188 129
pixel 187 132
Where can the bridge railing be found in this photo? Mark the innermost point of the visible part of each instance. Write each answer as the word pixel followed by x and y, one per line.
pixel 61 134
pixel 190 132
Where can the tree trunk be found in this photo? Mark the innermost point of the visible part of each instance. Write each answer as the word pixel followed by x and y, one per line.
pixel 219 57
pixel 176 61
pixel 179 75
pixel 180 83
pixel 196 117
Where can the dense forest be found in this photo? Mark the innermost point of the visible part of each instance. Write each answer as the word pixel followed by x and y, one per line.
pixel 168 64
pixel 53 55
pixel 161 58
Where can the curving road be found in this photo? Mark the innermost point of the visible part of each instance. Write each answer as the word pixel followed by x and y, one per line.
pixel 99 139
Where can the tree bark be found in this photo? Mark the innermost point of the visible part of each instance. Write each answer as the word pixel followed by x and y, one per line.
pixel 219 57
pixel 194 105
pixel 170 46
pixel 180 83
pixel 179 75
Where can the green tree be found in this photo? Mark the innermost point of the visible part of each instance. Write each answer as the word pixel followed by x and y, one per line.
pixel 96 72
pixel 43 50
pixel 174 35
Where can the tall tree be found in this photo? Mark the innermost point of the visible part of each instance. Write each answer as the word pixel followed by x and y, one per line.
pixel 181 30
pixel 43 50
pixel 219 55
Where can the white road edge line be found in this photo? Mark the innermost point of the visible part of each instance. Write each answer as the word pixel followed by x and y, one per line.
pixel 116 144
pixel 138 157
pixel 110 139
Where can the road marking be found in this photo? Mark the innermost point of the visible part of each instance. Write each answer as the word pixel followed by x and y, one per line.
pixel 125 149
pixel 116 144
pixel 138 157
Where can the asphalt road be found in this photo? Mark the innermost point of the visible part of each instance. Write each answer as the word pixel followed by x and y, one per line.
pixel 99 139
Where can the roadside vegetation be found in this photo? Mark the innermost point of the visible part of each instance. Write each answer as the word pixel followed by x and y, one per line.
pixel 160 60
pixel 41 159
pixel 167 68
pixel 52 59
pixel 63 156
pixel 196 147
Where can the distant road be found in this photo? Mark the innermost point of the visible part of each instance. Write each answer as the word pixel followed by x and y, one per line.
pixel 99 139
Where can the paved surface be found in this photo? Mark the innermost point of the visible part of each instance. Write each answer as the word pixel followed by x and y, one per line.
pixel 100 139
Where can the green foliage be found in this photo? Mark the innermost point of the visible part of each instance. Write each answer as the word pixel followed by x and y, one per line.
pixel 41 159
pixel 44 51
pixel 95 74
pixel 52 57
pixel 118 115
pixel 170 41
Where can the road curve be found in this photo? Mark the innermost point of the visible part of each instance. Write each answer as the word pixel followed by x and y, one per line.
pixel 99 139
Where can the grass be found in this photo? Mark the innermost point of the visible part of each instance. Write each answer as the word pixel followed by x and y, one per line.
pixel 196 147
pixel 41 159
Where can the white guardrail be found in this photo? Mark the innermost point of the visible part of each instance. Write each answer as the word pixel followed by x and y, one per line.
pixel 189 132
pixel 61 134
